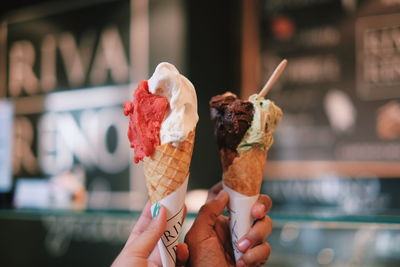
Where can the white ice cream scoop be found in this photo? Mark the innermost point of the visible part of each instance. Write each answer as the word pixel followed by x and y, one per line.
pixel 181 117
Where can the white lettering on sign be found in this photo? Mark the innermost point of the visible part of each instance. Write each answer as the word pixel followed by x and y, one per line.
pixel 378 56
pixel 118 159
pixel 109 60
pixel 382 55
pixel 313 69
pixel 110 56
pixel 64 138
pixel 76 58
pixel 23 157
pixel 390 2
pixel 62 230
pixel 320 36
pixel 21 75
pixel 48 68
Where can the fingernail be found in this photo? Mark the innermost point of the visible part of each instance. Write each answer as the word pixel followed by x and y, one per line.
pixel 243 245
pixel 156 210
pixel 220 195
pixel 240 263
pixel 260 209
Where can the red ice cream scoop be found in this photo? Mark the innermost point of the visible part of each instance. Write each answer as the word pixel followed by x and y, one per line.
pixel 146 113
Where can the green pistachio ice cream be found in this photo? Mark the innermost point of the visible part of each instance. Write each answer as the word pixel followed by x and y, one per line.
pixel 266 116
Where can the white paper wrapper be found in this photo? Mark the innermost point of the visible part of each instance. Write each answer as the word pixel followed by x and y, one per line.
pixel 174 204
pixel 240 219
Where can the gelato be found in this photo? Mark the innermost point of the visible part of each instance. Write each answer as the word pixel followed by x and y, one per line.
pixel 146 113
pixel 181 117
pixel 266 116
pixel 242 125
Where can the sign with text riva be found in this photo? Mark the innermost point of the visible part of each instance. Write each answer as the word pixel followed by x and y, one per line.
pixel 68 71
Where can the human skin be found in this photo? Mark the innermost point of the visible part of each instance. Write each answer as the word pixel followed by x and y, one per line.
pixel 209 238
pixel 208 241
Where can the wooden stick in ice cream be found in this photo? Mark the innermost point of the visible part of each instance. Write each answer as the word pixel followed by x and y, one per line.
pixel 272 80
pixel 244 133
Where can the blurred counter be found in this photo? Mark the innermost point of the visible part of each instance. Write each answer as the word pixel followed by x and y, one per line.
pixel 94 238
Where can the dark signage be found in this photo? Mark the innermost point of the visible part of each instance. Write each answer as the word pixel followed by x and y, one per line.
pixel 340 91
pixel 68 71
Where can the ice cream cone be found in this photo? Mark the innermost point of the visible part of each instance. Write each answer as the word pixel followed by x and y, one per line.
pixel 244 174
pixel 167 168
pixel 242 178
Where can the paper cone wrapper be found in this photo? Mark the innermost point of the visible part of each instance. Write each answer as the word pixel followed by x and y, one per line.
pixel 167 172
pixel 240 220
pixel 174 204
pixel 242 180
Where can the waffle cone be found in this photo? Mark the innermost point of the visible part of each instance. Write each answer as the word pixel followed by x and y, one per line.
pixel 167 168
pixel 244 174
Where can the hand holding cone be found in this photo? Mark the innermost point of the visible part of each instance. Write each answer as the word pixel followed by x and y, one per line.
pixel 244 133
pixel 163 118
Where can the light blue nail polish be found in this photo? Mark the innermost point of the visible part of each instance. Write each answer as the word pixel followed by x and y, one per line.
pixel 156 210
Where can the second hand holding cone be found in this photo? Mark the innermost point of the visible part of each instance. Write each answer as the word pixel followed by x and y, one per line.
pixel 244 133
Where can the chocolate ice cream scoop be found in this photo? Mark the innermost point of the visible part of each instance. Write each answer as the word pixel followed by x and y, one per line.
pixel 232 117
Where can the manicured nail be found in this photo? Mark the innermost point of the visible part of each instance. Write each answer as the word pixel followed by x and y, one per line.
pixel 260 209
pixel 156 210
pixel 243 245
pixel 240 263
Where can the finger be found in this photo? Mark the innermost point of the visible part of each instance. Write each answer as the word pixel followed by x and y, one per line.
pixel 155 256
pixel 184 213
pixel 261 207
pixel 182 254
pixel 223 232
pixel 257 234
pixel 206 219
pixel 143 245
pixel 213 192
pixel 210 211
pixel 255 256
pixel 144 220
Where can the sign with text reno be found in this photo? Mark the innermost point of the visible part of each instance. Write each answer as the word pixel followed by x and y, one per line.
pixel 68 71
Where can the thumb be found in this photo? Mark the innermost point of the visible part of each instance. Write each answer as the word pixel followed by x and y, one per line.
pixel 210 211
pixel 146 241
pixel 182 254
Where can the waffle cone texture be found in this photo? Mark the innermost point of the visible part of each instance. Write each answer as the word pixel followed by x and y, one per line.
pixel 244 174
pixel 167 168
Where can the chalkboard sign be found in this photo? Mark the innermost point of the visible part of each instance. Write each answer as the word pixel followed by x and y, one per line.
pixel 339 92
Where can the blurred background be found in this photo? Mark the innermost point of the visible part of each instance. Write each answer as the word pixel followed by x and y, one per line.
pixel 69 191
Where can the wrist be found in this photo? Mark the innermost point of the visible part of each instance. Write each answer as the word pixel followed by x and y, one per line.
pixel 206 253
